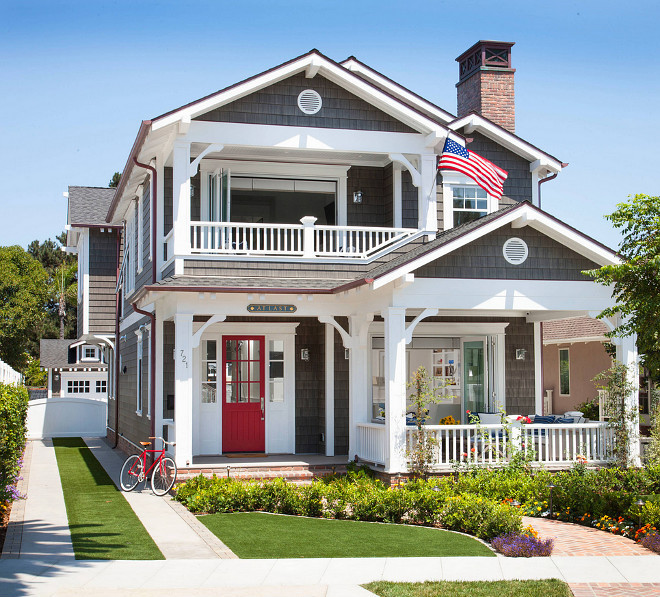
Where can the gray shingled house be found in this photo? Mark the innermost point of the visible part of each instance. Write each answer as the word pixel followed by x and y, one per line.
pixel 292 254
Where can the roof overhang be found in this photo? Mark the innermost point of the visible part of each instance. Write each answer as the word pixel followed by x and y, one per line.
pixel 525 214
pixel 541 161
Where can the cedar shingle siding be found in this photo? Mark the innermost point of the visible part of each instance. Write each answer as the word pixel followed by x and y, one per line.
pixel 372 210
pixel 102 282
pixel 483 259
pixel 277 104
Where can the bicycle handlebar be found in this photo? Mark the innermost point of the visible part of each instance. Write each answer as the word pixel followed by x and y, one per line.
pixel 161 439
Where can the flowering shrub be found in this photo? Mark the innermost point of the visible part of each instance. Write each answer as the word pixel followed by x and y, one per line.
pixel 652 542
pixel 480 516
pixel 448 420
pixel 13 415
pixel 522 546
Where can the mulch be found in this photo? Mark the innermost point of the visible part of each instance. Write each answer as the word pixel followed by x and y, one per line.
pixel 4 522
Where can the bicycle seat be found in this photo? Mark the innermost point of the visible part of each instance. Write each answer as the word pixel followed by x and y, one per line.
pixel 145 443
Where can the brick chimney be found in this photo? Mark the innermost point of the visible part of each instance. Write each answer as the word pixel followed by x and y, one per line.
pixel 485 82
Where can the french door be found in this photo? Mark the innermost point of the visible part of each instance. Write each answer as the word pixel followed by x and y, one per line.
pixel 243 394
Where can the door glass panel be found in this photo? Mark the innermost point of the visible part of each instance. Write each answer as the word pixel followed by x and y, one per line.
pixel 243 372
pixel 242 392
pixel 255 371
pixel 229 373
pixel 230 393
pixel 231 350
pixel 211 371
pixel 255 392
pixel 277 392
pixel 243 350
pixel 474 378
pixel 255 350
pixel 276 370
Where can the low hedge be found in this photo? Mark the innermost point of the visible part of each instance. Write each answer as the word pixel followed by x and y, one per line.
pixel 13 417
pixel 355 498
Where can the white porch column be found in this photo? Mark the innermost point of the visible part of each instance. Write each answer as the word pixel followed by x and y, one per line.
pixel 183 387
pixel 397 195
pixel 538 368
pixel 428 213
pixel 395 389
pixel 329 390
pixel 160 218
pixel 157 362
pixel 181 201
pixel 358 326
pixel 626 353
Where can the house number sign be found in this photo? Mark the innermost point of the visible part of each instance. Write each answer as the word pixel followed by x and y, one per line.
pixel 271 308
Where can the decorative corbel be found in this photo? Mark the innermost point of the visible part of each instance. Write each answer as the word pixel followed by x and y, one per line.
pixel 194 165
pixel 413 324
pixel 197 336
pixel 401 159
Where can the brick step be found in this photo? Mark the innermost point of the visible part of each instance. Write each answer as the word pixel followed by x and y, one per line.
pixel 292 474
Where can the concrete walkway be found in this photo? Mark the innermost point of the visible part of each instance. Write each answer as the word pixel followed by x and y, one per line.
pixel 178 534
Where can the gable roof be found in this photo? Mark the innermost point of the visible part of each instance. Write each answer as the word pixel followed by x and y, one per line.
pixel 88 206
pixel 54 353
pixel 519 215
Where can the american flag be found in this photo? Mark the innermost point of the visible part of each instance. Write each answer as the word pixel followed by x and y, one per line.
pixel 486 174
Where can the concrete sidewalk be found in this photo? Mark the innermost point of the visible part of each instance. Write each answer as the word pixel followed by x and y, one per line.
pixel 178 534
pixel 330 577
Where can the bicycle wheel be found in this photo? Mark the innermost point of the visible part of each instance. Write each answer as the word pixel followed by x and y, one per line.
pixel 131 473
pixel 164 476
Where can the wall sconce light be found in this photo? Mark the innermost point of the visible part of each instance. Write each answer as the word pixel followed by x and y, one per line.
pixel 124 369
pixel 357 197
pixel 520 354
pixel 347 353
pixel 304 354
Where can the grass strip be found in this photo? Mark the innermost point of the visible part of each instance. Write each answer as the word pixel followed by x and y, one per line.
pixel 499 588
pixel 103 525
pixel 263 535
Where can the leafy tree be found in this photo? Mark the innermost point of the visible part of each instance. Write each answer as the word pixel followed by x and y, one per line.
pixel 34 376
pixel 114 181
pixel 23 297
pixel 636 281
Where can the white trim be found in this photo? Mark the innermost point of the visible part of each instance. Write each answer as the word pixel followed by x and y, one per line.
pixel 577 340
pixel 537 220
pixel 249 328
pixel 538 368
pixel 134 318
pixel 329 390
pixel 85 285
pixel 451 179
pixel 475 122
pixel 139 211
pixel 397 195
pixel 139 366
pixel 335 73
pixel 448 329
pixel 559 392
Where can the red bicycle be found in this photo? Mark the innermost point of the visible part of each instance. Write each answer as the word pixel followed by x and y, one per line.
pixel 163 469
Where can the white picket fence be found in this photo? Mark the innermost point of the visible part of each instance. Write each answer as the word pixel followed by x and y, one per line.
pixel 8 375
pixel 492 445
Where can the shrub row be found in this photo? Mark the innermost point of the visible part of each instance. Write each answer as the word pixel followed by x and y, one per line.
pixel 13 416
pixel 356 497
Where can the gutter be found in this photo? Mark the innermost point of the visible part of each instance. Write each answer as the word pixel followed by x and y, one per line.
pixel 548 179
pixel 152 368
pixel 117 341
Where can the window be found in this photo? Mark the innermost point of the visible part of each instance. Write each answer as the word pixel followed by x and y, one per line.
pixel 469 203
pixel 139 208
pixel 142 338
pixel 89 353
pixel 130 250
pixel 101 386
pixel 276 370
pixel 111 374
pixel 564 372
pixel 78 386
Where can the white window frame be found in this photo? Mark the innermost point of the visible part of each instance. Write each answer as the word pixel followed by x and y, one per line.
pixel 147 336
pixel 100 382
pixel 111 375
pixel 138 374
pixel 83 354
pixel 77 386
pixel 451 179
pixel 130 250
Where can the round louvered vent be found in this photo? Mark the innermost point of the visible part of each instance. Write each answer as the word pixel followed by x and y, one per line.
pixel 309 101
pixel 515 251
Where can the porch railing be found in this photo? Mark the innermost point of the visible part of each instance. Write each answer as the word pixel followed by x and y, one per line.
pixel 492 445
pixel 296 240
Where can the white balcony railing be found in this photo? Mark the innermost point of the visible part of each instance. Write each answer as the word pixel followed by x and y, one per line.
pixel 295 240
pixel 488 445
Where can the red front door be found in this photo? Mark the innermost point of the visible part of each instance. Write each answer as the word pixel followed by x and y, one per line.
pixel 243 415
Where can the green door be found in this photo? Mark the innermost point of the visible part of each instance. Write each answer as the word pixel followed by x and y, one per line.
pixel 474 376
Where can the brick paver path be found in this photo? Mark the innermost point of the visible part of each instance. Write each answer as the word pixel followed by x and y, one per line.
pixel 14 537
pixel 576 540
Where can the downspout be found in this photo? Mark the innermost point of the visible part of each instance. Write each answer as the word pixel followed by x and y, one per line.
pixel 116 363
pixel 547 179
pixel 152 316
pixel 152 369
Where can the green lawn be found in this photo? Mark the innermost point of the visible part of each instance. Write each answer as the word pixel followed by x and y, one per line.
pixel 500 588
pixel 262 535
pixel 103 526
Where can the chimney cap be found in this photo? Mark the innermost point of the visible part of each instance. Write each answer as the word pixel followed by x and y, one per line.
pixel 485 55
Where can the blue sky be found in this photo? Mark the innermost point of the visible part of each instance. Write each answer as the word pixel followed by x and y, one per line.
pixel 76 79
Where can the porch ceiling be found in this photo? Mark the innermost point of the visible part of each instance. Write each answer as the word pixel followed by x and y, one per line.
pixel 293 155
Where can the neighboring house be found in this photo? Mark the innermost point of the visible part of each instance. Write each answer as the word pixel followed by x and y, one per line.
pixel 292 254
pixel 573 354
pixel 74 370
pixel 79 368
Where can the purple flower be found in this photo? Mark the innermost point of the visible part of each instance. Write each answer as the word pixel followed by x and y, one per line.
pixel 522 546
pixel 651 542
